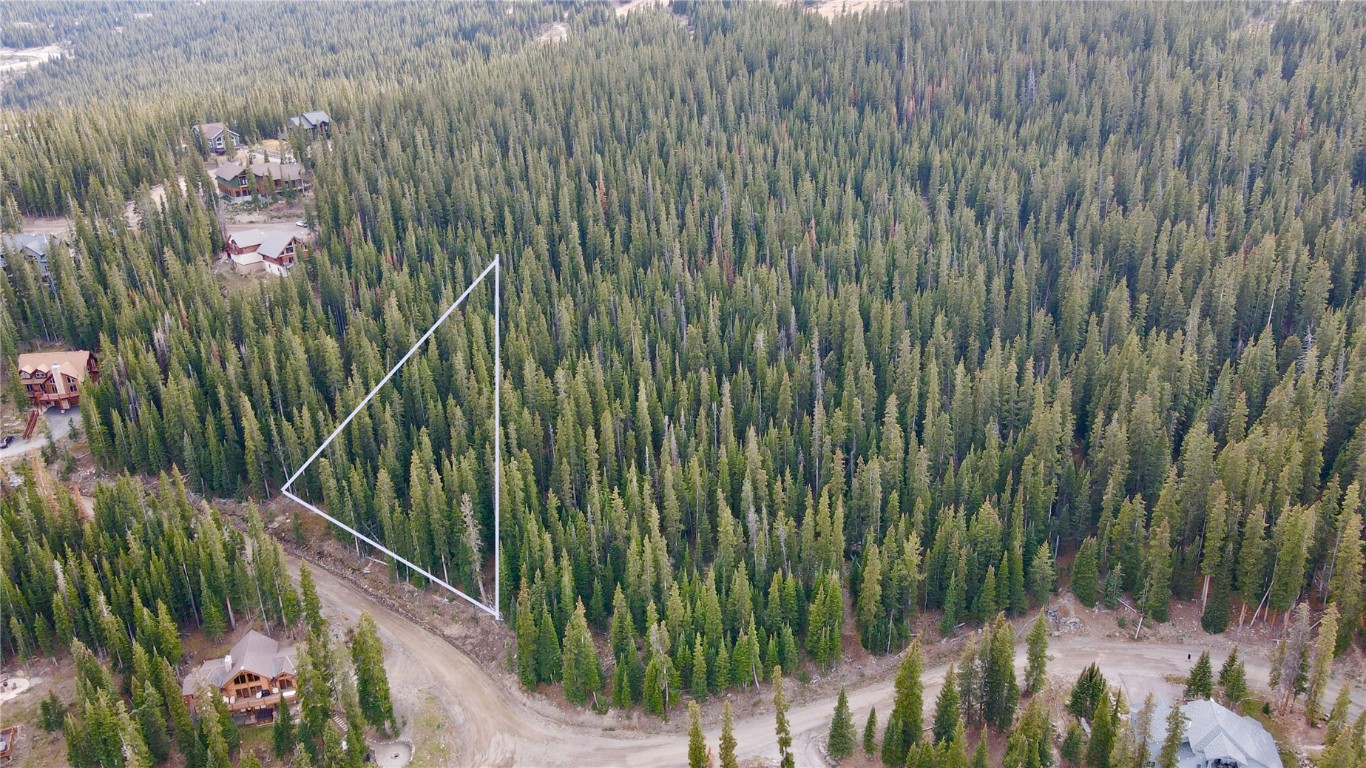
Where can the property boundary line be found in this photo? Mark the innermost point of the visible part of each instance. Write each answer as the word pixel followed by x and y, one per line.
pixel 494 267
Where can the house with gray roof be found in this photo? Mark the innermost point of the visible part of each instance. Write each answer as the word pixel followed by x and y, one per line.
pixel 1216 737
pixel 272 250
pixel 33 246
pixel 252 678
pixel 313 122
pixel 215 136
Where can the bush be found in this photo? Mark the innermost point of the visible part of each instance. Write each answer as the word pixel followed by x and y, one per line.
pixel 1073 745
pixel 51 713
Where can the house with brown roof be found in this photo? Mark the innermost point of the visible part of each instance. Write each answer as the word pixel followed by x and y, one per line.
pixel 56 378
pixel 252 679
pixel 273 178
pixel 215 136
pixel 232 180
pixel 272 250
pixel 262 179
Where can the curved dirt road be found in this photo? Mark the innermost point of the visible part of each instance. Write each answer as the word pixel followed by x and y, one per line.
pixel 492 727
pixel 491 724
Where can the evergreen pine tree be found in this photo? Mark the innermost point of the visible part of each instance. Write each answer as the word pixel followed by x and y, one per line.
pixel 1104 724
pixel 1345 586
pixel 781 727
pixel 282 732
pixel 980 755
pixel 51 713
pixel 1215 617
pixel 1339 718
pixel 908 707
pixel 1001 692
pixel 1084 573
pixel 697 744
pixel 313 607
pixel 582 670
pixel 697 685
pixel 216 753
pixel 984 604
pixel 870 733
pixel 1325 648
pixel 372 682
pixel 1171 742
pixel 1041 575
pixel 954 754
pixel 1087 692
pixel 526 642
pixel 1157 570
pixel 728 759
pixel 1233 679
pixel 1113 588
pixel 151 718
pixel 1036 672
pixel 1200 681
pixel 894 748
pixel 947 715
pixel 1073 745
pixel 549 665
pixel 840 743
pixel 868 613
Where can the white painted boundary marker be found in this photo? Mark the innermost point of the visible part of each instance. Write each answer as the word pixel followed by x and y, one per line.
pixel 495 268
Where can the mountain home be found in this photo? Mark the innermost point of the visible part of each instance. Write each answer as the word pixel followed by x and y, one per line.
pixel 215 136
pixel 56 378
pixel 252 678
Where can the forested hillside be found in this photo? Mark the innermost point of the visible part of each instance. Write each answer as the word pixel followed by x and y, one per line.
pixel 891 311
pixel 176 64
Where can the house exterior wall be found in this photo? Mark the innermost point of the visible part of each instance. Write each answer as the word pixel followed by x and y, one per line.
pixel 253 699
pixel 237 187
pixel 63 390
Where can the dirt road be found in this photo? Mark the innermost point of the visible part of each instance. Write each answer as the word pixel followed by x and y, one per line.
pixel 492 726
pixel 59 424
pixel 493 723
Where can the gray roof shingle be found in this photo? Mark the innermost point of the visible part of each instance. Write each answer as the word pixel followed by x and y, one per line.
pixel 1214 732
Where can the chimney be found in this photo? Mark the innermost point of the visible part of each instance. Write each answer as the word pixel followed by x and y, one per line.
pixel 56 373
pixel 227 662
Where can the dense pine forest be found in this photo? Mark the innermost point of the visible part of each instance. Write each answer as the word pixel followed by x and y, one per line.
pixel 894 312
pixel 123 582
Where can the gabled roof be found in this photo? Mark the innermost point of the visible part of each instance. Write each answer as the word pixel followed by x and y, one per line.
pixel 310 119
pixel 1214 732
pixel 34 244
pixel 71 362
pixel 278 171
pixel 228 171
pixel 255 653
pixel 268 243
pixel 211 131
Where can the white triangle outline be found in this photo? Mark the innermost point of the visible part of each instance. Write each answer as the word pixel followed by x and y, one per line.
pixel 494 267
